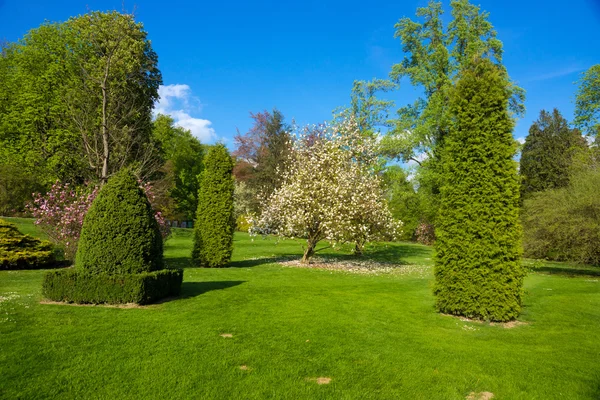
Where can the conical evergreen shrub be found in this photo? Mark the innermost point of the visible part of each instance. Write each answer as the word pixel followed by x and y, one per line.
pixel 120 234
pixel 215 222
pixel 477 268
pixel 119 257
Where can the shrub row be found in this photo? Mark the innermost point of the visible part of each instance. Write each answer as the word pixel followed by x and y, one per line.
pixel 77 286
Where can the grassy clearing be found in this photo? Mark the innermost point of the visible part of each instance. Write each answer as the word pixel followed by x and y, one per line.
pixel 374 336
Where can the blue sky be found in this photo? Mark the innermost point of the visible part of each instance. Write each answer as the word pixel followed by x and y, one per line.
pixel 222 60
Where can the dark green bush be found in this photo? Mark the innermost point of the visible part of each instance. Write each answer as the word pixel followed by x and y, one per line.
pixel 215 223
pixel 564 224
pixel 120 234
pixel 72 285
pixel 477 268
pixel 18 251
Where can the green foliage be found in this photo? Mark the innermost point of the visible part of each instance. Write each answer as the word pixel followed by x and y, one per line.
pixel 73 286
pixel 184 156
pixel 16 187
pixel 564 224
pixel 120 234
pixel 76 99
pixel 215 223
pixel 548 153
pixel 18 251
pixel 587 102
pixel 403 200
pixel 477 269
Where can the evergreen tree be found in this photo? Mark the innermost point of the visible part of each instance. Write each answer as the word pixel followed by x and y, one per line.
pixel 477 268
pixel 547 153
pixel 213 230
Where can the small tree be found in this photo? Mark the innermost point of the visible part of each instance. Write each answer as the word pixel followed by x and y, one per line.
pixel 587 102
pixel 215 222
pixel 120 234
pixel 477 266
pixel 330 191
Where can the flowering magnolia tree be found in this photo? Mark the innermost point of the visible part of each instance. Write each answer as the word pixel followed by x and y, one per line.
pixel 330 191
pixel 61 211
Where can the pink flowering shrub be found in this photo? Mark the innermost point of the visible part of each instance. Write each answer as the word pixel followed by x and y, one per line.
pixel 60 213
pixel 425 233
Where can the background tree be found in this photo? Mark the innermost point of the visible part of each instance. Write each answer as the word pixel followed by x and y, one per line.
pixel 370 113
pixel 587 102
pixel 260 155
pixel 330 191
pixel 183 154
pixel 477 266
pixel 548 152
pixel 435 56
pixel 214 227
pixel 564 224
pixel 114 80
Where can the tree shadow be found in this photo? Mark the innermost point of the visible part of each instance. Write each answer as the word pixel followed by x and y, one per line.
pixel 193 289
pixel 254 262
pixel 571 272
pixel 397 252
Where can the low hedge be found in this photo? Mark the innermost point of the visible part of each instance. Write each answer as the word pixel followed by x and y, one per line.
pixel 76 286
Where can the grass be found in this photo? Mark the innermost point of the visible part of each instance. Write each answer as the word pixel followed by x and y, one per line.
pixel 375 336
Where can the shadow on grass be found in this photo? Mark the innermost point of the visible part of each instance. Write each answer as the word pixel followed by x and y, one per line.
pixel 254 262
pixel 398 252
pixel 193 289
pixel 178 262
pixel 564 271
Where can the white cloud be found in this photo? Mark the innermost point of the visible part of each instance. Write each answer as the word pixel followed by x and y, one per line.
pixel 177 101
pixel 521 140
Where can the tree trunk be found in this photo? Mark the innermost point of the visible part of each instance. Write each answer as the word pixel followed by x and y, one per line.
pixel 358 248
pixel 106 150
pixel 311 243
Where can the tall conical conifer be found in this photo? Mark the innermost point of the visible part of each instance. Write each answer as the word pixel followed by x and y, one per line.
pixel 477 269
pixel 213 231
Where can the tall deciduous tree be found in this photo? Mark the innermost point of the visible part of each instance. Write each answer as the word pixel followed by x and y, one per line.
pixel 547 154
pixel 113 86
pixel 435 56
pixel 213 230
pixel 261 153
pixel 477 266
pixel 587 102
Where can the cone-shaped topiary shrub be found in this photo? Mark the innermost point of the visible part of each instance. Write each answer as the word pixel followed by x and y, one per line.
pixel 19 251
pixel 119 257
pixel 477 268
pixel 120 234
pixel 215 223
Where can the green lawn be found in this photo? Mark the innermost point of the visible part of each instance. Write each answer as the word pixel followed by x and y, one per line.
pixel 375 336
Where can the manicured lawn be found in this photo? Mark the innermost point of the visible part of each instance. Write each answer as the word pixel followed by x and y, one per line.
pixel 375 336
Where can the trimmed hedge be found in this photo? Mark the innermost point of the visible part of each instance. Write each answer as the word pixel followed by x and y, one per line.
pixel 120 234
pixel 19 251
pixel 73 286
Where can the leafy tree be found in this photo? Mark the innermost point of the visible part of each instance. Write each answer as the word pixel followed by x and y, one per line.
pixel 215 223
pixel 113 87
pixel 330 191
pixel 477 265
pixel 436 54
pixel 120 234
pixel 564 224
pixel 548 152
pixel 261 153
pixel 368 111
pixel 403 199
pixel 184 154
pixel 79 97
pixel 587 102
